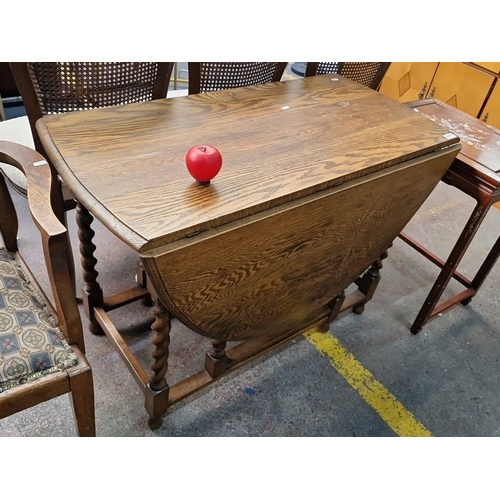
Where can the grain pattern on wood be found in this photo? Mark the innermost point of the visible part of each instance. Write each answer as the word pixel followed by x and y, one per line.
pixel 319 176
pixel 26 396
pixel 271 272
pixel 279 141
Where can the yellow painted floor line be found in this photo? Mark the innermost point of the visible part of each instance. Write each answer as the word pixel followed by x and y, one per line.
pixel 401 421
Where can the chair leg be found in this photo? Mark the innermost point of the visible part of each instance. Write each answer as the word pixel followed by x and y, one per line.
pixel 82 399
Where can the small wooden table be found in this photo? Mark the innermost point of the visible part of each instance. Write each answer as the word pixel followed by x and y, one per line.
pixel 476 172
pixel 319 176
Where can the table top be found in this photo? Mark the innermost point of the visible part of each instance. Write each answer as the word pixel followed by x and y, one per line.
pixel 480 141
pixel 279 141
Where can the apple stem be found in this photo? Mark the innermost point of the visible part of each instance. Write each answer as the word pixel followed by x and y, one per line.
pixel 204 149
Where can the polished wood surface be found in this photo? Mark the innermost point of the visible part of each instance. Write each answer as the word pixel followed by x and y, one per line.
pixel 319 176
pixel 249 280
pixel 476 172
pixel 480 142
pixel 271 155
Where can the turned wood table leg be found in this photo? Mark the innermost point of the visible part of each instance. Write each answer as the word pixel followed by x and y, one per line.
pixel 335 306
pixel 92 293
pixel 216 359
pixel 368 283
pixel 157 397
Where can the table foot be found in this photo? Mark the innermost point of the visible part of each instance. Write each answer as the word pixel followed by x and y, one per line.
pixel 155 423
pixel 359 308
pixel 323 327
pixel 95 328
pixel 156 402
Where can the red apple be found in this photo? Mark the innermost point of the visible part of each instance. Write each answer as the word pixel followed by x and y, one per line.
pixel 203 163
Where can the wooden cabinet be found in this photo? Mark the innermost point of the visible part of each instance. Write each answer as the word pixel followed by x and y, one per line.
pixel 492 66
pixel 491 111
pixel 470 87
pixel 405 81
pixel 461 86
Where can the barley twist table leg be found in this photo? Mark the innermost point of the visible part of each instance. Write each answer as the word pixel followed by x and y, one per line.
pixel 157 404
pixel 92 292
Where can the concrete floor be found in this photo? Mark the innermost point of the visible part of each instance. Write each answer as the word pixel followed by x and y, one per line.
pixel 447 377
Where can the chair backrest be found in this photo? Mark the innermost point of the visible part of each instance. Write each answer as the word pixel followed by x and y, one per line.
pixel 366 73
pixel 59 87
pixel 211 76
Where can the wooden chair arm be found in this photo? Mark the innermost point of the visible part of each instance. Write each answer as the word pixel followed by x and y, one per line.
pixel 40 183
pixel 43 191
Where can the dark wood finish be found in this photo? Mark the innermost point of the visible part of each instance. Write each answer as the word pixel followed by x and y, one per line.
pixel 213 76
pixel 319 177
pixel 8 86
pixel 76 380
pixel 366 73
pixel 476 172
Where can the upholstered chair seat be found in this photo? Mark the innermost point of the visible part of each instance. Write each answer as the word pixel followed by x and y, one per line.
pixel 42 347
pixel 31 342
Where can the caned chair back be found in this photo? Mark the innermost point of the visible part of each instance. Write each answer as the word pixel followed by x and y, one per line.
pixel 212 76
pixel 365 73
pixel 59 87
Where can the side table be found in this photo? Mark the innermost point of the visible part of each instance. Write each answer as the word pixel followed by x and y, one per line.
pixel 476 172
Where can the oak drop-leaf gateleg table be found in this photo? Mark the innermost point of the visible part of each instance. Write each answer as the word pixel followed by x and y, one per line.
pixel 320 175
